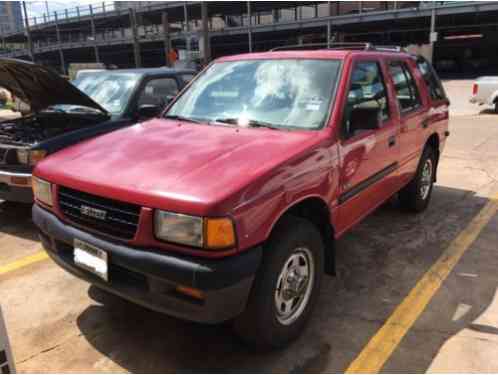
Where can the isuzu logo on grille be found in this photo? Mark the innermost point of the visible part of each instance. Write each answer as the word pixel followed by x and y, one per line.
pixel 93 212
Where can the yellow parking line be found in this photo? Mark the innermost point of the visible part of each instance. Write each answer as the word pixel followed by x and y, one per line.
pixel 26 261
pixel 384 342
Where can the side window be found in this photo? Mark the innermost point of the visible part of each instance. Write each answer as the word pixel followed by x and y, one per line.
pixel 406 89
pixel 157 91
pixel 433 83
pixel 188 77
pixel 367 89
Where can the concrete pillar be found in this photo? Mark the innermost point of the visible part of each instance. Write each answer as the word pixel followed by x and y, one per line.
pixel 206 45
pixel 187 30
pixel 136 42
pixel 433 32
pixel 166 38
pixel 94 35
pixel 28 34
pixel 61 52
pixel 249 27
pixel 329 24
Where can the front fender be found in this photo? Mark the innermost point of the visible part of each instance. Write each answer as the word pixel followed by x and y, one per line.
pixel 261 205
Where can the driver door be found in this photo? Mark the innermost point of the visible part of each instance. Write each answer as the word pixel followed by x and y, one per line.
pixel 368 158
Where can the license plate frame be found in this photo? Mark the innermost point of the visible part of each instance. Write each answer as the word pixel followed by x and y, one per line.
pixel 91 258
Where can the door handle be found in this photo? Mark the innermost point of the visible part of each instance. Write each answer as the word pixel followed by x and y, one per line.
pixel 425 124
pixel 392 141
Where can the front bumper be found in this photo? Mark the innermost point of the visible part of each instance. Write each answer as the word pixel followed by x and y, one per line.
pixel 15 192
pixel 149 277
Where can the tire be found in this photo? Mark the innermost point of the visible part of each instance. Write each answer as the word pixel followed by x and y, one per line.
pixel 294 241
pixel 416 195
pixel 496 106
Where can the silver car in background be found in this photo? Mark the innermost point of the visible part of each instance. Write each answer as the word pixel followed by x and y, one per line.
pixel 485 91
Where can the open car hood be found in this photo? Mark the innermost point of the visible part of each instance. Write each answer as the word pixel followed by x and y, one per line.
pixel 40 87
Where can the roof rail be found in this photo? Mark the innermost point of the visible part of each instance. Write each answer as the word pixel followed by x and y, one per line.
pixel 364 46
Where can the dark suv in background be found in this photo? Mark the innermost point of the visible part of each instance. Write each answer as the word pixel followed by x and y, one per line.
pixel 58 113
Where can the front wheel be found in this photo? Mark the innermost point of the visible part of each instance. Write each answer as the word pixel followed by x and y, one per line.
pixel 416 195
pixel 286 286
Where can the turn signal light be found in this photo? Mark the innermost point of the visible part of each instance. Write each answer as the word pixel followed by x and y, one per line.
pixel 21 181
pixel 36 155
pixel 219 233
pixel 191 292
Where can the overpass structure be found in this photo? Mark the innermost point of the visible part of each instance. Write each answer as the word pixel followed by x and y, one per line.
pixel 108 32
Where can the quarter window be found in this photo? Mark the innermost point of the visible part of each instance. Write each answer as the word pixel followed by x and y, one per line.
pixel 433 83
pixel 406 89
pixel 367 88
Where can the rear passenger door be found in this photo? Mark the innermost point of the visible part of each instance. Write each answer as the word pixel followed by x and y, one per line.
pixel 413 116
pixel 368 157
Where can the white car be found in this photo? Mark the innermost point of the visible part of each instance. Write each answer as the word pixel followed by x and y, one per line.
pixel 485 91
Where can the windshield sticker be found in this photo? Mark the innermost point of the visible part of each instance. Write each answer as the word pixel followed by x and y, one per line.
pixel 313 104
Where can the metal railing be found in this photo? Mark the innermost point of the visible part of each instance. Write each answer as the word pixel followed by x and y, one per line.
pixel 217 23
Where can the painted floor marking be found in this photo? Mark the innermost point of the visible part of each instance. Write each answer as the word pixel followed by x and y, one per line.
pixel 380 347
pixel 23 262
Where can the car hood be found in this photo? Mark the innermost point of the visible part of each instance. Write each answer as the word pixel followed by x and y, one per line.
pixel 40 87
pixel 170 165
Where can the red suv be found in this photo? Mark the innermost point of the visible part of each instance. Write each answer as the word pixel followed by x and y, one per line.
pixel 228 205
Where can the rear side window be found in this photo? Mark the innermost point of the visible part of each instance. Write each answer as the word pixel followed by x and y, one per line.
pixel 433 83
pixel 158 91
pixel 404 84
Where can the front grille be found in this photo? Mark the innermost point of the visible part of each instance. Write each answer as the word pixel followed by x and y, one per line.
pixel 8 156
pixel 121 219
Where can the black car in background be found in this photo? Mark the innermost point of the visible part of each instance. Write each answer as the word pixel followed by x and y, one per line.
pixel 57 113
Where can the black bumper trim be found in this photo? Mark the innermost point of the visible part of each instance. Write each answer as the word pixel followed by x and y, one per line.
pixel 225 282
pixel 16 193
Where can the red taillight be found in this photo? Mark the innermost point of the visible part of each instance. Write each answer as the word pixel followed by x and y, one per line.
pixel 475 88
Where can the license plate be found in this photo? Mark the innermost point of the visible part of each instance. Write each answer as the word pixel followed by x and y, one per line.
pixel 91 259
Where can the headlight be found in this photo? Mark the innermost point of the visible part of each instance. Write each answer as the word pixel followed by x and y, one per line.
pixel 30 157
pixel 211 233
pixel 42 190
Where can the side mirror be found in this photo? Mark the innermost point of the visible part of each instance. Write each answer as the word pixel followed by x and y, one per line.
pixel 148 110
pixel 365 117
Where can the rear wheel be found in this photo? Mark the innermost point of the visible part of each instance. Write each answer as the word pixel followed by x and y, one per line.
pixel 496 106
pixel 417 194
pixel 286 286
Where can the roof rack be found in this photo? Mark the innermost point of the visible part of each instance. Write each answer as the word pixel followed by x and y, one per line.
pixel 348 46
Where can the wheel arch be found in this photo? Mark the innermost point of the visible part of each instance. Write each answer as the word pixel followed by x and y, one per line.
pixel 434 142
pixel 317 211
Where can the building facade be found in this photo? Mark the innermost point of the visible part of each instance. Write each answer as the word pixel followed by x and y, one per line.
pixel 10 17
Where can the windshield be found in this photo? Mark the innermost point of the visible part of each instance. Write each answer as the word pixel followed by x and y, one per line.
pixel 111 90
pixel 274 93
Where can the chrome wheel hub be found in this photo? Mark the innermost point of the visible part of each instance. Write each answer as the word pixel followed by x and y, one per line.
pixel 426 179
pixel 294 286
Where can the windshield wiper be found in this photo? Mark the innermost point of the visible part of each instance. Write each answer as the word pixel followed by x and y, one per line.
pixel 251 123
pixel 183 118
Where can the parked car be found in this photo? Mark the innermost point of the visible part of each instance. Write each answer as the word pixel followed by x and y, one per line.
pixel 228 207
pixel 57 114
pixel 485 91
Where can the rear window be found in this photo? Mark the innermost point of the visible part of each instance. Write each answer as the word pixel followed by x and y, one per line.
pixel 431 79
